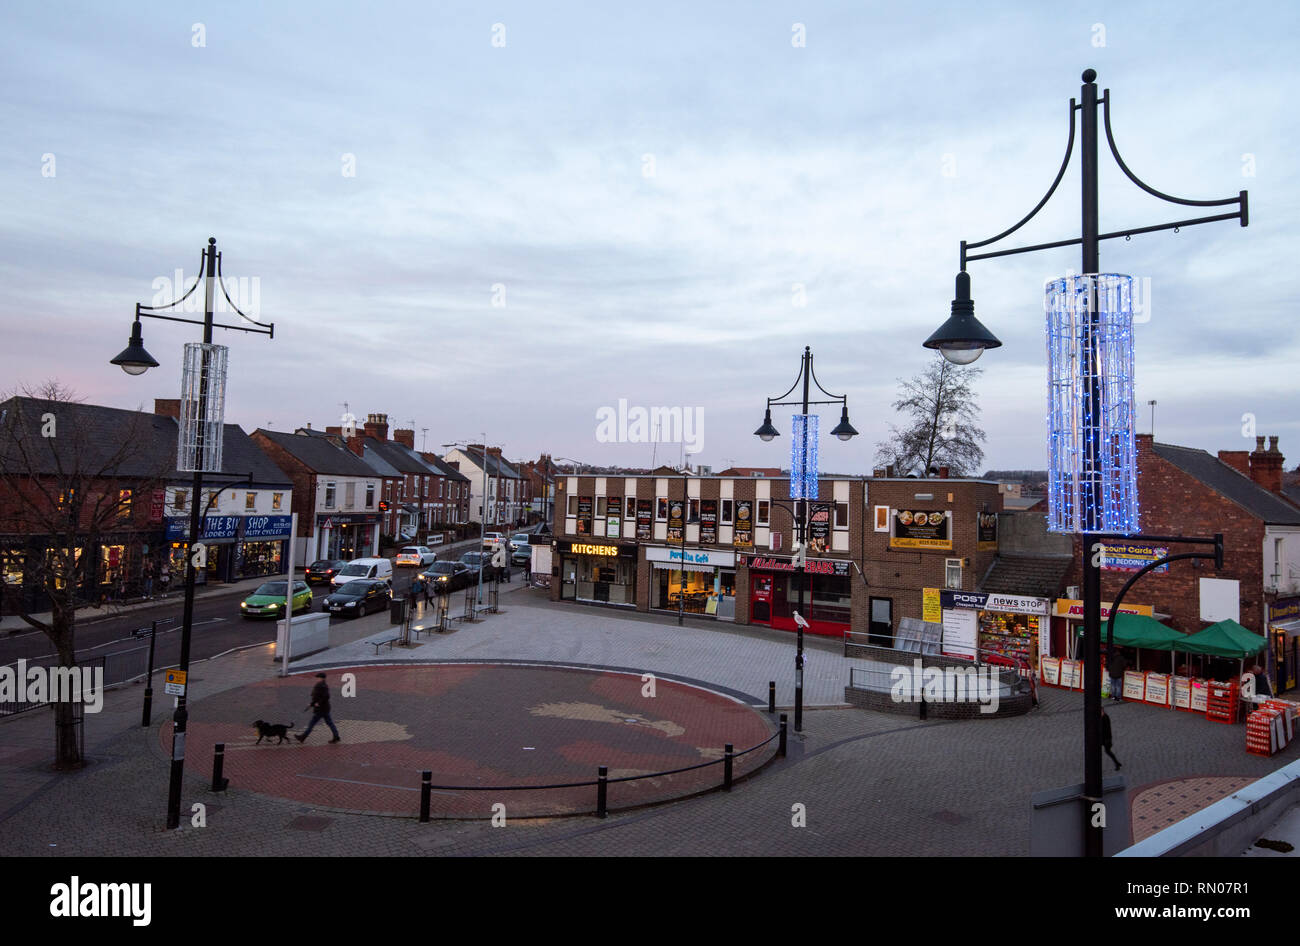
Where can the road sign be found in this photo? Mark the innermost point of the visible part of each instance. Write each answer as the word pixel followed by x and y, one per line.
pixel 174 683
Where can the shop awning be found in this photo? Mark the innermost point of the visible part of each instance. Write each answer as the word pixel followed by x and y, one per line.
pixel 678 566
pixel 1292 628
pixel 1138 630
pixel 1225 639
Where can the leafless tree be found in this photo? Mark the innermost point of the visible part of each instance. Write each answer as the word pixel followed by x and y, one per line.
pixel 941 427
pixel 72 478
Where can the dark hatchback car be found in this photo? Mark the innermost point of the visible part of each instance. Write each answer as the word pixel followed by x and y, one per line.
pixel 358 597
pixel 324 570
pixel 443 577
pixel 475 561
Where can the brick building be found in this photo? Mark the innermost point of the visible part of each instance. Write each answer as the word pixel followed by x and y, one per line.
pixel 873 545
pixel 1183 491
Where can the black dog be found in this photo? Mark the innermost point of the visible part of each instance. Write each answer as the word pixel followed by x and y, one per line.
pixel 267 730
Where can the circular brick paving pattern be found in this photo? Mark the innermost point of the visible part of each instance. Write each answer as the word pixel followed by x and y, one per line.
pixel 476 725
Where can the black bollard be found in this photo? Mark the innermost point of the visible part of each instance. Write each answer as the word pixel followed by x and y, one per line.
pixel 730 754
pixel 771 696
pixel 147 716
pixel 602 790
pixel 780 746
pixel 426 791
pixel 923 704
pixel 219 783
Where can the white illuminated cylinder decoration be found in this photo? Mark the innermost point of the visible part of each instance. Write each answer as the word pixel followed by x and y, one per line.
pixel 203 408
pixel 1092 458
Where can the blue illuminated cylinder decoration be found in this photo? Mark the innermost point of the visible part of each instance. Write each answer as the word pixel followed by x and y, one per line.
pixel 1092 458
pixel 803 457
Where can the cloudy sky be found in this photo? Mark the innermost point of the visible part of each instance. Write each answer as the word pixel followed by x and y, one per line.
pixel 504 217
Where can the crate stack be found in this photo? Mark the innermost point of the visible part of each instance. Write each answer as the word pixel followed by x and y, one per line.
pixel 1268 730
pixel 1221 701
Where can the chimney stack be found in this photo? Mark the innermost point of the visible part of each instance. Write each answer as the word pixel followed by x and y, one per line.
pixel 1266 465
pixel 1239 460
pixel 405 437
pixel 377 426
pixel 168 407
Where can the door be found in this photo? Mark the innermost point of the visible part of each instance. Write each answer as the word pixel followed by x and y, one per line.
pixel 882 622
pixel 760 602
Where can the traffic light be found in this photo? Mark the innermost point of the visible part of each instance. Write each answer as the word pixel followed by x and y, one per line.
pixel 383 505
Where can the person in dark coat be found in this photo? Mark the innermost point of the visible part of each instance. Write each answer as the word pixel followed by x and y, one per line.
pixel 1106 738
pixel 1115 668
pixel 320 707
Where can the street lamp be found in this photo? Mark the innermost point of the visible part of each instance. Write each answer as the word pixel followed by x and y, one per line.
pixel 803 486
pixel 482 523
pixel 1095 440
pixel 201 431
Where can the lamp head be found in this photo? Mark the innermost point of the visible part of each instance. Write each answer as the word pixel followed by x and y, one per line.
pixel 962 339
pixel 844 430
pixel 767 432
pixel 134 360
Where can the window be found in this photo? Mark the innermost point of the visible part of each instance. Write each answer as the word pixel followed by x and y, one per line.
pixel 214 500
pixel 123 504
pixel 329 495
pixel 602 506
pixel 277 502
pixel 67 498
pixel 726 512
pixel 573 505
pixel 370 495
pixel 841 515
pixel 250 502
pixel 764 509
pixel 661 509
pixel 693 511
pixel 349 495
pixel 952 573
pixel 440 489
pixel 182 497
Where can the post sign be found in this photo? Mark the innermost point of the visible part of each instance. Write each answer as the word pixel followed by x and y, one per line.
pixel 819 528
pixel 174 682
pixel 931 610
pixel 921 529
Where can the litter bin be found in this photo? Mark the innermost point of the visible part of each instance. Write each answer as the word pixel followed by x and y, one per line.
pixel 397 611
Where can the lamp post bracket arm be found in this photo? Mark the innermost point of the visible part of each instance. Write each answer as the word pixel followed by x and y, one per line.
pixel 1240 199
pixel 197 279
pixel 222 283
pixel 838 398
pixel 1065 162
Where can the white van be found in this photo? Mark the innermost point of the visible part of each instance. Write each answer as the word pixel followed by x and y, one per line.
pixel 379 569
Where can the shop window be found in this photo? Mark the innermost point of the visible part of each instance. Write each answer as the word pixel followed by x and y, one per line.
pixel 329 495
pixel 12 563
pixel 123 504
pixel 841 515
pixel 66 498
pixel 661 509
pixel 370 495
pixel 182 497
pixel 250 502
pixel 764 510
pixel 952 573
pixel 726 512
pixel 277 501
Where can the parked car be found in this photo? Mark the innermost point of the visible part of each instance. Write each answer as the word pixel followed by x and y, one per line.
pixel 475 561
pixel 491 540
pixel 520 552
pixel 518 539
pixel 322 571
pixel 268 599
pixel 358 597
pixel 444 577
pixel 417 555
pixel 379 569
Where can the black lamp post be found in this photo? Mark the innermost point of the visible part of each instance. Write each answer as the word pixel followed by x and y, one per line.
pixel 134 360
pixel 962 339
pixel 844 431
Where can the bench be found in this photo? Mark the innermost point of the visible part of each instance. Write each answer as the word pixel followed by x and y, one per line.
pixel 390 641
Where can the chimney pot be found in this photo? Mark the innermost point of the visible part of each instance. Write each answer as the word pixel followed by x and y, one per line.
pixel 1259 444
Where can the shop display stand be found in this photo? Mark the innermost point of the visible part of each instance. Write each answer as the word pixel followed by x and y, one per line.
pixel 1221 703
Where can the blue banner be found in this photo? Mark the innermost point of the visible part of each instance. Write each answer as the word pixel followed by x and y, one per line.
pixel 267 527
pixel 214 527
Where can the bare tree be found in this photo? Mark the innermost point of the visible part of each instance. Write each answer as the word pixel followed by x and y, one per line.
pixel 72 478
pixel 941 426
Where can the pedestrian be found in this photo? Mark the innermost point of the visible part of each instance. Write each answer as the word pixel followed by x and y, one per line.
pixel 147 573
pixel 1115 668
pixel 164 577
pixel 1262 686
pixel 320 708
pixel 1106 738
pixel 419 591
pixel 528 571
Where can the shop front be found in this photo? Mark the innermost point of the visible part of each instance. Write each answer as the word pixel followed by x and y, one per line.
pixel 597 572
pixel 1284 640
pixel 219 535
pixel 995 628
pixel 347 536
pixel 696 581
pixel 262 547
pixel 1067 623
pixel 774 593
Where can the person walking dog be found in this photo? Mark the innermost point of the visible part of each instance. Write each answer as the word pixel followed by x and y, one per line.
pixel 1106 739
pixel 320 707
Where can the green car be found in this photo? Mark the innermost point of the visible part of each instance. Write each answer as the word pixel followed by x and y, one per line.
pixel 268 599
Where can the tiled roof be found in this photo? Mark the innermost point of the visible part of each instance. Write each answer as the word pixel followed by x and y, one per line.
pixel 319 455
pixel 1023 575
pixel 1229 483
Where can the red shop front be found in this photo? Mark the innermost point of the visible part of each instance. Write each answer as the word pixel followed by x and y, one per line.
pixel 774 594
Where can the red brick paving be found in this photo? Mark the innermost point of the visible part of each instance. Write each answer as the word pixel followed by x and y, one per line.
pixel 470 725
